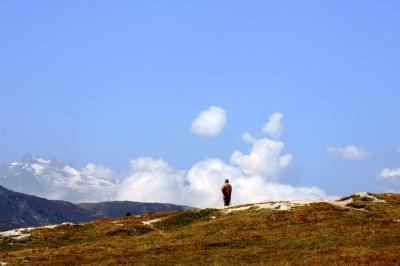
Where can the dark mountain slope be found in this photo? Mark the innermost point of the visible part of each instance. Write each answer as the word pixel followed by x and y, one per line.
pixel 27 210
pixel 9 226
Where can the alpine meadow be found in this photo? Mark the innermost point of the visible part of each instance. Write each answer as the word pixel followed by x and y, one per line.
pixel 362 229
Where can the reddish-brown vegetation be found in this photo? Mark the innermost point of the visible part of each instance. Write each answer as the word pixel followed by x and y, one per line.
pixel 367 233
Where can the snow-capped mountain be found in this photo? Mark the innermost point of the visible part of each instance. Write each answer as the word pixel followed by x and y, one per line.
pixel 53 179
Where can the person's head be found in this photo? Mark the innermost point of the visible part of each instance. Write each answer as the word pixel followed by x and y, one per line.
pixel 226 181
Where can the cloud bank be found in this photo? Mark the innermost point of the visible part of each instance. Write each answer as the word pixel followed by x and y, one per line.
pixel 349 153
pixel 200 187
pixel 264 157
pixel 254 177
pixel 210 122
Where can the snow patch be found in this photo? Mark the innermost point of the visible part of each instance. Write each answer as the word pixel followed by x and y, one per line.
pixel 40 160
pixel 21 232
pixel 151 221
pixel 71 171
pixel 283 205
pixel 17 233
pixel 38 169
pixel 366 195
pixel 21 236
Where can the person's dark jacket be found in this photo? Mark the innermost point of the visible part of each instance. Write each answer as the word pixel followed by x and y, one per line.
pixel 226 190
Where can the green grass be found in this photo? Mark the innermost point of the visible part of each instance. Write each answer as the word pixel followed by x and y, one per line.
pixel 366 233
pixel 184 219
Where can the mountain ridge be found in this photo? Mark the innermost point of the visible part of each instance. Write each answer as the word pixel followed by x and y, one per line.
pixel 27 210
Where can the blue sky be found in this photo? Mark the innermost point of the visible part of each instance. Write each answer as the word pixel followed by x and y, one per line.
pixel 106 82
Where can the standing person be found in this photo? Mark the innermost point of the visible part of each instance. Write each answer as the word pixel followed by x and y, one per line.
pixel 226 192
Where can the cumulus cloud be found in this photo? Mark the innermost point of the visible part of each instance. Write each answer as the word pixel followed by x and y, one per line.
pixel 387 172
pixel 151 165
pixel 350 153
pixel 147 164
pixel 256 189
pixel 206 178
pixel 159 185
pixel 210 122
pixel 201 185
pixel 264 158
pixel 152 180
pixel 389 179
pixel 274 127
pixel 99 172
pixel 252 176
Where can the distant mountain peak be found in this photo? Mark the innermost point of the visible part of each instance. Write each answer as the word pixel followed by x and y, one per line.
pixel 54 179
pixel 29 158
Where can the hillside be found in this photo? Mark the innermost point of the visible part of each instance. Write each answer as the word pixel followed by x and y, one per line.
pixel 26 210
pixel 8 226
pixel 360 229
pixel 117 209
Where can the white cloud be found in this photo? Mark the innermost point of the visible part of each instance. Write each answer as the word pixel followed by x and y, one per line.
pixel 256 189
pixel 264 157
pixel 159 185
pixel 152 180
pixel 206 178
pixel 210 122
pixel 389 179
pixel 147 164
pixel 350 153
pixel 387 172
pixel 248 138
pixel 151 165
pixel 99 172
pixel 274 127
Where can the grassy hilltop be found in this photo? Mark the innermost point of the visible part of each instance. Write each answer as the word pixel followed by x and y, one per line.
pixel 363 232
